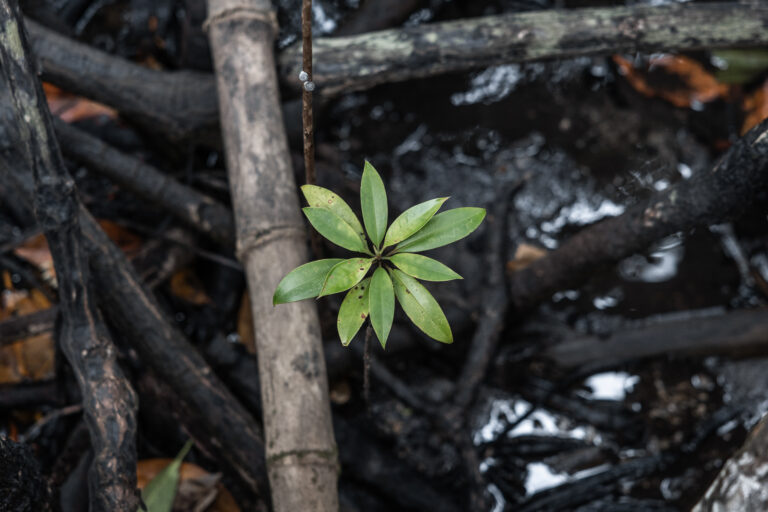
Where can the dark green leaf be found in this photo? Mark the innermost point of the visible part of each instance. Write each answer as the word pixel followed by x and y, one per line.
pixel 421 307
pixel 421 267
pixel 160 492
pixel 373 201
pixel 304 282
pixel 319 197
pixel 443 229
pixel 382 304
pixel 412 220
pixel 741 66
pixel 332 227
pixel 353 311
pixel 345 275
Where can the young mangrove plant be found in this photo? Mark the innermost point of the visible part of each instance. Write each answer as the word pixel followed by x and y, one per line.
pixel 391 252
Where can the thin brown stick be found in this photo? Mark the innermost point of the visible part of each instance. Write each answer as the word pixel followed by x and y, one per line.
pixel 367 364
pixel 307 115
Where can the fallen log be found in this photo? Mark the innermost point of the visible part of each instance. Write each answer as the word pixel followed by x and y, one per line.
pixel 734 334
pixel 301 452
pixel 183 104
pixel 109 401
pixel 739 179
pixel 135 314
pixel 195 209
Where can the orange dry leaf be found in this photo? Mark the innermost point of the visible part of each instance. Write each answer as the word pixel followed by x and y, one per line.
pixel 525 255
pixel 755 108
pixel 245 324
pixel 71 108
pixel 198 489
pixel 185 285
pixel 692 82
pixel 36 251
pixel 31 358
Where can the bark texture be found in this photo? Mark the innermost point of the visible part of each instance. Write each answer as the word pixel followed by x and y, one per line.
pixel 300 448
pixel 741 483
pixel 360 62
pixel 109 402
pixel 734 334
pixel 739 179
pixel 183 104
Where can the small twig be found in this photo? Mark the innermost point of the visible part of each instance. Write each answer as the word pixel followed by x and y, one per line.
pixel 367 366
pixel 307 117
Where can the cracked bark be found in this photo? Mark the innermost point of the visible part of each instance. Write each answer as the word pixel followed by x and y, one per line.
pixel 300 447
pixel 183 104
pixel 109 402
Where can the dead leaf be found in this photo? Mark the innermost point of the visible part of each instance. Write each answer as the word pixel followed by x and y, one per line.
pixel 245 324
pixel 198 490
pixel 525 254
pixel 126 240
pixel 186 286
pixel 31 358
pixel 36 251
pixel 340 392
pixel 683 81
pixel 71 108
pixel 755 108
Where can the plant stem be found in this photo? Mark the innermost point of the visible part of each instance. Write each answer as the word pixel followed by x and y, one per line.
pixel 367 366
pixel 307 117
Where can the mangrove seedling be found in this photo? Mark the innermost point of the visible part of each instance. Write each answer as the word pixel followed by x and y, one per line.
pixel 392 253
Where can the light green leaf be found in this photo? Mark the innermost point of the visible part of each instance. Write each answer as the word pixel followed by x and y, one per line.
pixel 345 275
pixel 373 201
pixel 304 282
pixel 421 267
pixel 353 311
pixel 382 305
pixel 160 492
pixel 421 307
pixel 319 197
pixel 443 229
pixel 332 227
pixel 412 220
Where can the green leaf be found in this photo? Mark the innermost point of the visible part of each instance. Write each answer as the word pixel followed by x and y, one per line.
pixel 443 229
pixel 382 304
pixel 421 267
pixel 412 220
pixel 333 227
pixel 421 307
pixel 319 197
pixel 353 311
pixel 304 282
pixel 159 493
pixel 345 275
pixel 373 201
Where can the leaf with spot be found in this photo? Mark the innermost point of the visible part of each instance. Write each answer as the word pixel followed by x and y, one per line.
pixel 373 201
pixel 382 305
pixel 344 275
pixel 319 197
pixel 160 492
pixel 353 311
pixel 304 282
pixel 443 229
pixel 421 307
pixel 422 267
pixel 412 220
pixel 333 227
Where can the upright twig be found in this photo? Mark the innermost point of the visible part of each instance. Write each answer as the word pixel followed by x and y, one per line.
pixel 109 401
pixel 367 365
pixel 307 114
